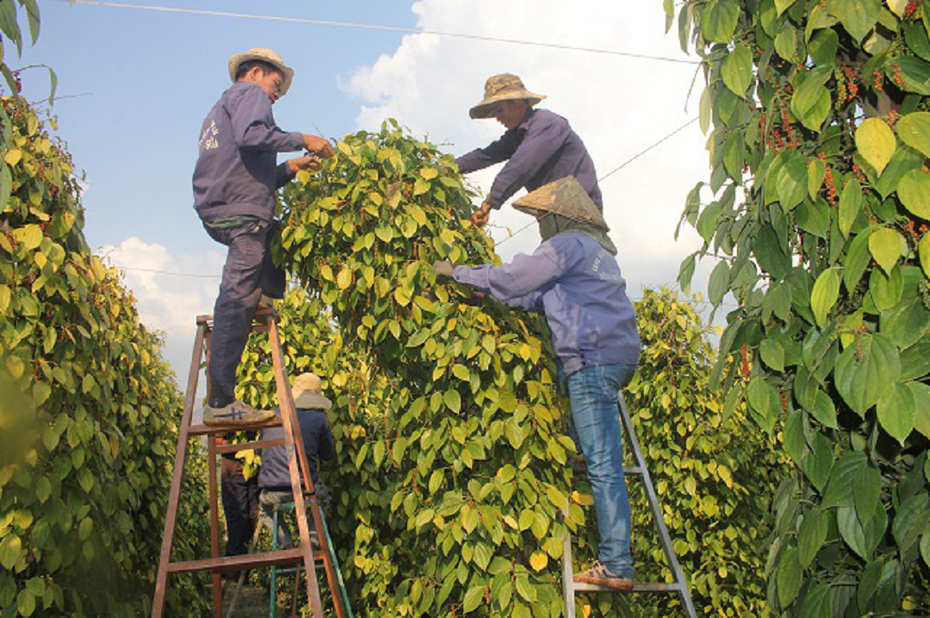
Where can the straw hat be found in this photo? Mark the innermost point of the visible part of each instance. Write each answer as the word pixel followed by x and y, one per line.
pixel 503 87
pixel 308 393
pixel 565 197
pixel 265 55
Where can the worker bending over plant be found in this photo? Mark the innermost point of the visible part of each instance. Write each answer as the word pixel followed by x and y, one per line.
pixel 539 146
pixel 234 181
pixel 574 279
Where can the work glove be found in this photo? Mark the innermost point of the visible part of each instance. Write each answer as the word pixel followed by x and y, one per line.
pixel 443 268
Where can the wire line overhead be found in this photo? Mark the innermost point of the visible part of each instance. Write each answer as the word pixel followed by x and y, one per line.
pixel 378 27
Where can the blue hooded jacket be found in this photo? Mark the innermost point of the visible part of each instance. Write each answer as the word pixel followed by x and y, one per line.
pixel 577 284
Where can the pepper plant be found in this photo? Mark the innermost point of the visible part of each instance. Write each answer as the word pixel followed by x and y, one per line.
pixel 820 200
pixel 468 459
pixel 88 409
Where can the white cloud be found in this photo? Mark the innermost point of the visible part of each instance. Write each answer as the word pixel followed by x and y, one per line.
pixel 168 296
pixel 618 105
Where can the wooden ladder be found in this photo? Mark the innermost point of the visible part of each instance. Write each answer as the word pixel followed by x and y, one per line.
pixel 680 585
pixel 265 321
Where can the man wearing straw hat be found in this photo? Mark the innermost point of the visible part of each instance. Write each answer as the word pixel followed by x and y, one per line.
pixel 234 182
pixel 274 477
pixel 540 147
pixel 574 279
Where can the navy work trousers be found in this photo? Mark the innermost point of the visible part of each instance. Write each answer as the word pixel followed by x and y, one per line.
pixel 249 271
pixel 240 506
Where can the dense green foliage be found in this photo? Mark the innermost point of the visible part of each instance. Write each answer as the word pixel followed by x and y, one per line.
pixel 444 434
pixel 460 484
pixel 89 409
pixel 715 473
pixel 821 133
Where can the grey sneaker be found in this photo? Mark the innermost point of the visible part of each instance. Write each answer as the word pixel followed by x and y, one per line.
pixel 235 414
pixel 600 575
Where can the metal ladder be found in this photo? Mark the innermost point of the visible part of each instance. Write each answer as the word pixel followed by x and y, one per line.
pixel 265 321
pixel 680 585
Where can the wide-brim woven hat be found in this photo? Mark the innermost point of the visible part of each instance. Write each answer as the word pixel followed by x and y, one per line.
pixel 265 55
pixel 503 87
pixel 565 197
pixel 308 393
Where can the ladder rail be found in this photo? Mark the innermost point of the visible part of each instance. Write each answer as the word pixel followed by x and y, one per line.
pixel 657 515
pixel 264 321
pixel 680 585
pixel 174 496
pixel 289 416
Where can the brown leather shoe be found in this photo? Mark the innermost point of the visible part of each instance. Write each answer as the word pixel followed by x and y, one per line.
pixel 599 575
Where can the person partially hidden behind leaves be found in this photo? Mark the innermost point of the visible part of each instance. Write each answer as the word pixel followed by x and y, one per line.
pixel 234 183
pixel 574 279
pixel 274 477
pixel 539 146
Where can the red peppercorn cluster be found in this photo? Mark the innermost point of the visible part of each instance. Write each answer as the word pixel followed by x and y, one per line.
pixel 910 9
pixel 893 117
pixel 852 87
pixel 878 80
pixel 915 231
pixel 831 186
pixel 896 75
pixel 858 172
pixel 744 360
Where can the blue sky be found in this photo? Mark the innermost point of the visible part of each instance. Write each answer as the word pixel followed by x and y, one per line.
pixel 154 76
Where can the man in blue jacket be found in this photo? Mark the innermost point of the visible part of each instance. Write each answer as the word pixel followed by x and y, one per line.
pixel 274 477
pixel 540 147
pixel 235 180
pixel 574 279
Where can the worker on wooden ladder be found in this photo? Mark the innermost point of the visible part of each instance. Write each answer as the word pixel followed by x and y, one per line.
pixel 234 183
pixel 574 279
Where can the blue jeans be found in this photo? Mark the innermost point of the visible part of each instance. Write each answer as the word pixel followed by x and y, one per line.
pixel 248 272
pixel 596 421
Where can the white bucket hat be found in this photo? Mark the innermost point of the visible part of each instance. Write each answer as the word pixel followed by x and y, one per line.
pixel 265 55
pixel 308 393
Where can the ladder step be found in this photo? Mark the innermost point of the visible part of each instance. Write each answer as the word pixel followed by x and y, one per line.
pixel 225 564
pixel 632 470
pixel 203 430
pixel 637 587
pixel 247 446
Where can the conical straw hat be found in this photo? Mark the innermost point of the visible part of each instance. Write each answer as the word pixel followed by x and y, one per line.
pixel 565 197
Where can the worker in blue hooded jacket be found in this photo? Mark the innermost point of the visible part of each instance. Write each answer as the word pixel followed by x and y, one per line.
pixel 574 279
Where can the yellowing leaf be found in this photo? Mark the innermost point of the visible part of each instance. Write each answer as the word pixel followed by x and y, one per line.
pixel 429 173
pixel 13 156
pixel 923 248
pixel 344 279
pixel 30 236
pixel 885 247
pixel 875 142
pixel 824 294
pixel 539 560
pixel 914 130
pixel 914 191
pixel 897 6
